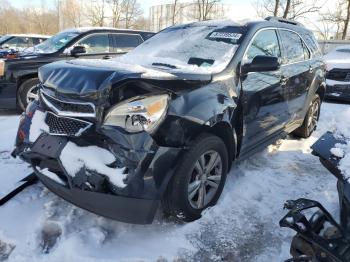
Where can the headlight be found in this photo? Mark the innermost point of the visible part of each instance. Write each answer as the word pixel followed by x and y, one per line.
pixel 2 67
pixel 138 113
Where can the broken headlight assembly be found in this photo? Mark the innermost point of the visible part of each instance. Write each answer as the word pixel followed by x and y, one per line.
pixel 138 113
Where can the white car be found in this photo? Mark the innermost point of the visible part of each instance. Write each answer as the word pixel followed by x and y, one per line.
pixel 338 73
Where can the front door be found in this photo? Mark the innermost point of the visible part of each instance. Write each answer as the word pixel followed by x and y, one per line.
pixel 97 45
pixel 265 108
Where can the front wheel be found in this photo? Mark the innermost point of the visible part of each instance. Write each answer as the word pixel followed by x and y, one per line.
pixel 311 119
pixel 198 180
pixel 27 92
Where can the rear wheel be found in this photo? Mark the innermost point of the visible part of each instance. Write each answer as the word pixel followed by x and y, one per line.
pixel 311 119
pixel 198 180
pixel 27 92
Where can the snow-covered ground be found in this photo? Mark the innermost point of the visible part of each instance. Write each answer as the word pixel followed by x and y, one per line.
pixel 243 226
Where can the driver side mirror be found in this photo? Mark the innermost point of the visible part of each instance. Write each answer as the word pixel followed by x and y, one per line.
pixel 5 46
pixel 78 50
pixel 262 63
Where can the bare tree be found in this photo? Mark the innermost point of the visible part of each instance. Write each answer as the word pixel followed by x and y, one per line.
pixel 291 9
pixel 116 7
pixel 338 18
pixel 96 12
pixel 346 21
pixel 71 12
pixel 174 11
pixel 275 10
pixel 205 8
pixel 131 11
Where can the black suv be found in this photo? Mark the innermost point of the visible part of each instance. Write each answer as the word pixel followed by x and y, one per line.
pixel 19 76
pixel 163 123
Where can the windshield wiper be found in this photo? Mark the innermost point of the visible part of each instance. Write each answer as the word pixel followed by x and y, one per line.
pixel 164 64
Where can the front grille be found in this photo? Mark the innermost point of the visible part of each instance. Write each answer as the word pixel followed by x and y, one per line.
pixel 68 108
pixel 339 74
pixel 339 88
pixel 65 126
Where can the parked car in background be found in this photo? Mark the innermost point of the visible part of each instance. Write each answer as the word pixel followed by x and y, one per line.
pixel 19 76
pixel 10 45
pixel 338 73
pixel 163 123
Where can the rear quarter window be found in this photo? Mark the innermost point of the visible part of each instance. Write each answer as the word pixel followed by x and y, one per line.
pixel 126 42
pixel 294 48
pixel 311 42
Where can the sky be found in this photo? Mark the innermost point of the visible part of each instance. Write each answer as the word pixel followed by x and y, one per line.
pixel 243 9
pixel 145 4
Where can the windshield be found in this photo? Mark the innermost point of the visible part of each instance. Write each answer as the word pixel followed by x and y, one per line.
pixel 201 47
pixel 54 43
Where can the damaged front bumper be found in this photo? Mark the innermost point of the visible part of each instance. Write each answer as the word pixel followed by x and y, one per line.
pixel 130 194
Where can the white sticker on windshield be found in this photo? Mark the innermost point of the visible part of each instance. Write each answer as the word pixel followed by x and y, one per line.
pixel 226 35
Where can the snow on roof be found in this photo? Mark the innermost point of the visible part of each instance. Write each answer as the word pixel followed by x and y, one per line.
pixel 89 28
pixel 29 35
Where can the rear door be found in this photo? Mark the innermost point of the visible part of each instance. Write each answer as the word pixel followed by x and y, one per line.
pixel 264 102
pixel 124 42
pixel 297 73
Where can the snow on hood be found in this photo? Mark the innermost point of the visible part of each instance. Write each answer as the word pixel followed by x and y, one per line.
pixel 176 45
pixel 94 158
pixel 343 150
pixel 86 76
pixel 338 59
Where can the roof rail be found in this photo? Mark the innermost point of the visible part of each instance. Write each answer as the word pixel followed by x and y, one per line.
pixel 283 20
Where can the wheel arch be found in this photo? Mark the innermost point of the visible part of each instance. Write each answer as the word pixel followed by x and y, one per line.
pixel 24 78
pixel 321 91
pixel 228 135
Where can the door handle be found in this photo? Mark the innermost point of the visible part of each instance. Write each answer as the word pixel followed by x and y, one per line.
pixel 311 70
pixel 107 57
pixel 284 81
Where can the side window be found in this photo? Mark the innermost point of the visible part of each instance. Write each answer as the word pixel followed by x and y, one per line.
pixel 95 44
pixel 18 42
pixel 126 42
pixel 311 41
pixel 295 49
pixel 37 41
pixel 264 43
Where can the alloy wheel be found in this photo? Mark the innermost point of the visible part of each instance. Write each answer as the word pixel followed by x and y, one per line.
pixel 205 179
pixel 32 94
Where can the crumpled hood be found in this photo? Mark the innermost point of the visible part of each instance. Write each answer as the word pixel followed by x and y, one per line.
pixel 86 76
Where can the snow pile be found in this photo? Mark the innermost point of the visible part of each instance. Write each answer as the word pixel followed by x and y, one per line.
pixel 51 175
pixel 243 226
pixel 6 247
pixel 343 150
pixel 8 132
pixel 38 126
pixel 94 158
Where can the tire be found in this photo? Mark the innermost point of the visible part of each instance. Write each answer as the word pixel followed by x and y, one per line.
pixel 25 94
pixel 310 122
pixel 177 200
